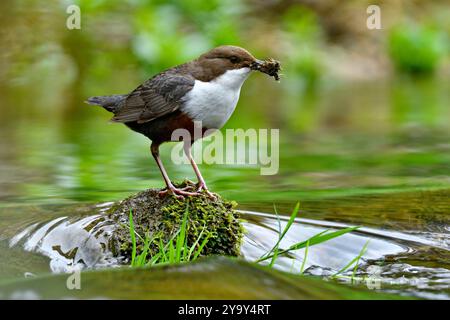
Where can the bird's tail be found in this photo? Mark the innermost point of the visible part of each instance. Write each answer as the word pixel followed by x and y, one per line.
pixel 110 103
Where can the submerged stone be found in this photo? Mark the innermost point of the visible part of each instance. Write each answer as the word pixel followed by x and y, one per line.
pixel 159 218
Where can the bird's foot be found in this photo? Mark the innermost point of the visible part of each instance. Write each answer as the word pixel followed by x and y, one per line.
pixel 191 189
pixel 201 186
pixel 178 193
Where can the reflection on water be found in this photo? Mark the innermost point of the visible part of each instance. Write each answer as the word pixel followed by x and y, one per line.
pixel 70 243
pixel 333 144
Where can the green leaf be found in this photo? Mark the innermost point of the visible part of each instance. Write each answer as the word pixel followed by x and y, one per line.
pixel 302 268
pixel 318 238
pixel 286 228
pixel 354 260
pixel 197 253
pixel 182 235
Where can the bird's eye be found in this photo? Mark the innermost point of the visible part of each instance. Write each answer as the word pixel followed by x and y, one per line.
pixel 234 59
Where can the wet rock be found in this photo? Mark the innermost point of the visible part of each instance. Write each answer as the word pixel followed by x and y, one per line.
pixel 159 218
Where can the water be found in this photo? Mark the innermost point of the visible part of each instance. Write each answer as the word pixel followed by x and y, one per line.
pixel 408 263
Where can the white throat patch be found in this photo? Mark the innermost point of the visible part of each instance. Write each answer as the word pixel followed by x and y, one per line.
pixel 213 102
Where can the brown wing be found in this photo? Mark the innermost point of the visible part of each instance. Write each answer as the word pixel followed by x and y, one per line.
pixel 155 98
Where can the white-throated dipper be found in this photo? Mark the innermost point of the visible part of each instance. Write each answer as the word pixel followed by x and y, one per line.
pixel 204 90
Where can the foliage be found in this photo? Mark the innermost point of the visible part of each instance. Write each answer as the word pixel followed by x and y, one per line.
pixel 301 28
pixel 416 49
pixel 176 250
pixel 321 237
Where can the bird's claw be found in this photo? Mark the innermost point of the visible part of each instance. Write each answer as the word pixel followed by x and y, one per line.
pixel 202 187
pixel 181 193
pixel 178 193
pixel 190 185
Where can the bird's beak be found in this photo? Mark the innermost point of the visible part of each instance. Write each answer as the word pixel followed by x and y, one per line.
pixel 256 65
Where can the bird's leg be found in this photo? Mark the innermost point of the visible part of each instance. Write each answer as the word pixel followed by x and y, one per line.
pixel 201 185
pixel 170 187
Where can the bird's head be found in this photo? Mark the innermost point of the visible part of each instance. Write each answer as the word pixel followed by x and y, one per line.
pixel 224 58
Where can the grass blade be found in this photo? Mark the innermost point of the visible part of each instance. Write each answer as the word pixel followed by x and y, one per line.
pixel 274 257
pixel 361 253
pixel 182 235
pixel 143 256
pixel 318 238
pixel 194 245
pixel 171 252
pixel 197 253
pixel 286 228
pixel 302 268
pixel 162 250
pixel 133 238
pixel 354 260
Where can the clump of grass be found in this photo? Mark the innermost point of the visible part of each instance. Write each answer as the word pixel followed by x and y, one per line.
pixel 176 250
pixel 321 237
pixel 416 49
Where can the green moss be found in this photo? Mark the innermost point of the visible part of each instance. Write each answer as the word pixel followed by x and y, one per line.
pixel 160 217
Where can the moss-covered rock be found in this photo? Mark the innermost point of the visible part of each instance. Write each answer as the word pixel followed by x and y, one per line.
pixel 159 218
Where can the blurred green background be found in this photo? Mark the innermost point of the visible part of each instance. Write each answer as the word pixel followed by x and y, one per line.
pixel 359 111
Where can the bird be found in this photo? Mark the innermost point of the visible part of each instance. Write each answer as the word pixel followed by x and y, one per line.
pixel 205 90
